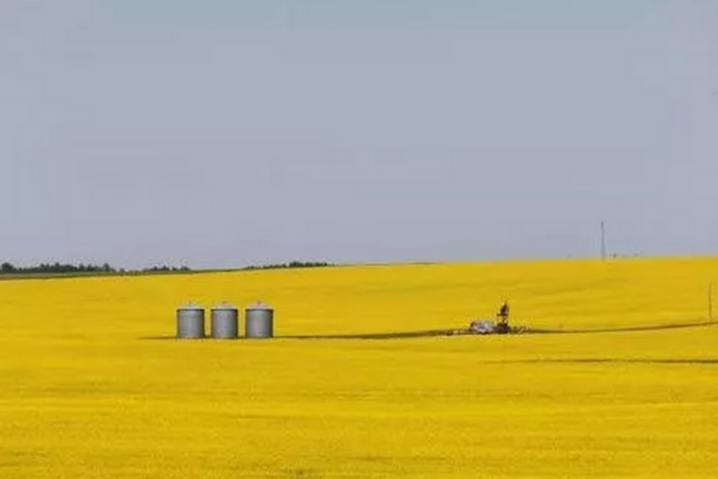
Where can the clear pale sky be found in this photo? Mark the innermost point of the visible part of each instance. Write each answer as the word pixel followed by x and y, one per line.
pixel 223 133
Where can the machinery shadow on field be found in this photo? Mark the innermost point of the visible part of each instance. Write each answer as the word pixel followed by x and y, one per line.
pixel 374 336
pixel 626 329
pixel 464 332
pixel 433 333
pixel 708 361
pixel 379 336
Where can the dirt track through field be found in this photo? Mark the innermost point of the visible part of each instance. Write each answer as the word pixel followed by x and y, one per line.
pixel 463 332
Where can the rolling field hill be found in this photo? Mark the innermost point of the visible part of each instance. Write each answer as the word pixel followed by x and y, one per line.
pixel 92 384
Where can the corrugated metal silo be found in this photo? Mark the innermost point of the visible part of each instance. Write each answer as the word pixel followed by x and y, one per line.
pixel 259 321
pixel 190 322
pixel 225 322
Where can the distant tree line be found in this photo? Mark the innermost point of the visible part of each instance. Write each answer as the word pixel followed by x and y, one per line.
pixel 8 269
pixel 293 264
pixel 64 268
pixel 165 269
pixel 55 268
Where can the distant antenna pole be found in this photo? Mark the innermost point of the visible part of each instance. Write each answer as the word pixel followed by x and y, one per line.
pixel 603 240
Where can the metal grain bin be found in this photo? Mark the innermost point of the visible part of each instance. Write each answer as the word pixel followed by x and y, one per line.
pixel 190 322
pixel 260 321
pixel 225 322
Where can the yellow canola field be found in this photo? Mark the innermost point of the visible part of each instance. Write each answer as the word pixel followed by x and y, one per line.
pixel 93 386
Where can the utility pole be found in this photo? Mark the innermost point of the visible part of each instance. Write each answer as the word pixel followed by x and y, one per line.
pixel 603 240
